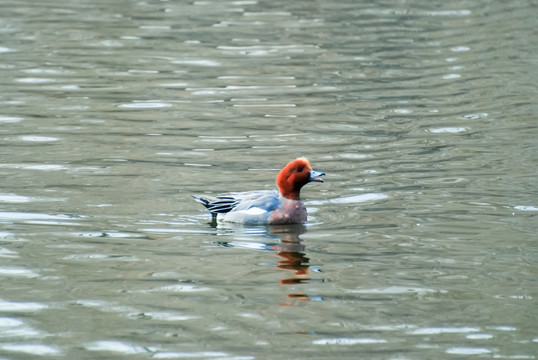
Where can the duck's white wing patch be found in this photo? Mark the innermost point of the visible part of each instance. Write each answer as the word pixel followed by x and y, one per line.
pixel 253 211
pixel 253 215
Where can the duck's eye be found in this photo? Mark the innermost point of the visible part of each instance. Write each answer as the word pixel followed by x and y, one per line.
pixel 299 169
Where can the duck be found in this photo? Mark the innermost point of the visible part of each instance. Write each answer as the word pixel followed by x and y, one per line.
pixel 281 206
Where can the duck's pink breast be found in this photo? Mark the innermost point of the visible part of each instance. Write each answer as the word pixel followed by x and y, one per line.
pixel 291 212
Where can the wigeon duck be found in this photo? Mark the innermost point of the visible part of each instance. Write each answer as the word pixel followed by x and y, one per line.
pixel 267 206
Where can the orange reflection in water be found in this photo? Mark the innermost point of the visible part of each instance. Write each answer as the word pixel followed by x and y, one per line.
pixel 293 258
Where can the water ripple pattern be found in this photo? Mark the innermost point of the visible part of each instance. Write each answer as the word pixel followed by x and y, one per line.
pixel 421 243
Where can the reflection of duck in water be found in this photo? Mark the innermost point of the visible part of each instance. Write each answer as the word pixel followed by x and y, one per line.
pixel 293 258
pixel 291 251
pixel 267 206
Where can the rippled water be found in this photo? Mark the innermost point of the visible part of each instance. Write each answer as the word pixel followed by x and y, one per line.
pixel 421 244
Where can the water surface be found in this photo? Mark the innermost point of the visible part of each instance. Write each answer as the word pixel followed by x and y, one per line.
pixel 421 244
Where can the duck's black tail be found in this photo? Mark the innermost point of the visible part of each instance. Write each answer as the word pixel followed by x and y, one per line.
pixel 217 205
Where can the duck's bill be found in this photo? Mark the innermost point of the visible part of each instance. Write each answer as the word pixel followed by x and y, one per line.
pixel 316 176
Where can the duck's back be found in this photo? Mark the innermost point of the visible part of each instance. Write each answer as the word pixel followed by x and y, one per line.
pixel 253 207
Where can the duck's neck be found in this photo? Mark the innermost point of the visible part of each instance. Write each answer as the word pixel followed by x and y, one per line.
pixel 290 195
